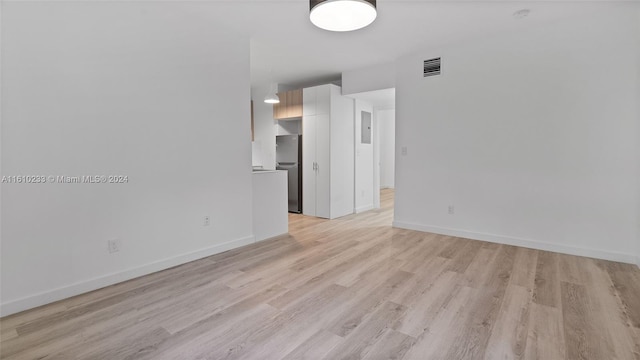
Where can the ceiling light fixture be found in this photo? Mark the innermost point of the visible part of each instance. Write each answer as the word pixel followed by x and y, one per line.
pixel 272 97
pixel 342 15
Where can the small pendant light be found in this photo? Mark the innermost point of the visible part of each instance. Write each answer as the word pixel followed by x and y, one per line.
pixel 272 96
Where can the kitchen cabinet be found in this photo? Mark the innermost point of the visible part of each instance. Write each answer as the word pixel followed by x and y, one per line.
pixel 290 105
pixel 270 215
pixel 327 152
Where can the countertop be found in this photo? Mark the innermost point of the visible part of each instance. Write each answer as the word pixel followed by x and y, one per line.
pixel 266 171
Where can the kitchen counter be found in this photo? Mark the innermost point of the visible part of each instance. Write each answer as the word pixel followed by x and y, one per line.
pixel 270 204
pixel 264 171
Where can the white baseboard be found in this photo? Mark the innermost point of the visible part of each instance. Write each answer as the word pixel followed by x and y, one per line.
pixel 363 208
pixel 528 243
pixel 43 298
pixel 386 187
pixel 271 237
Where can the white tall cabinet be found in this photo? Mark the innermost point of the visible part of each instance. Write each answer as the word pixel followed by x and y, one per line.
pixel 327 152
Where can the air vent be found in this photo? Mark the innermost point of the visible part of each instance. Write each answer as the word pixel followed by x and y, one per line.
pixel 431 67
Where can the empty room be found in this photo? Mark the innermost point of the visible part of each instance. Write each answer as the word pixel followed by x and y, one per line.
pixel 323 179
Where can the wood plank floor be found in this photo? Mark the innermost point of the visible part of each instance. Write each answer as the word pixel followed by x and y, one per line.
pixel 351 288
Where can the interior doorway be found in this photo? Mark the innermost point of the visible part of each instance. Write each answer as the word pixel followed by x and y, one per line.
pixel 374 151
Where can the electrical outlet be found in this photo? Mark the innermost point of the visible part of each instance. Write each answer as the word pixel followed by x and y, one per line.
pixel 362 193
pixel 404 150
pixel 113 246
pixel 452 210
pixel 207 221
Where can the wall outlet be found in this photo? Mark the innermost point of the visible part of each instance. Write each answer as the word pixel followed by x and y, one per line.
pixel 113 246
pixel 451 210
pixel 207 221
pixel 403 150
pixel 362 193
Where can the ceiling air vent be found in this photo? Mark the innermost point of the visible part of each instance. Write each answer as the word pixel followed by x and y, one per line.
pixel 431 67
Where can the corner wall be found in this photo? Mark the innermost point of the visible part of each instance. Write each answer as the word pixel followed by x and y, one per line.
pixel 637 32
pixel 387 124
pixel 531 136
pixel 154 91
pixel 376 77
pixel 341 147
pixel 264 127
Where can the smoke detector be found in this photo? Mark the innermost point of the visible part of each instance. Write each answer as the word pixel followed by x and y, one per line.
pixel 521 14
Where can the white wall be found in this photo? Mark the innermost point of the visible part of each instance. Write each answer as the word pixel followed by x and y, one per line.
pixel 264 127
pixel 532 136
pixel 376 77
pixel 364 178
pixel 637 32
pixel 341 147
pixel 154 91
pixel 387 124
pixel 376 159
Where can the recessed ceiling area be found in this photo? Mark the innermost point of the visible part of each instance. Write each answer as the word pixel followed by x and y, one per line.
pixel 288 49
pixel 379 99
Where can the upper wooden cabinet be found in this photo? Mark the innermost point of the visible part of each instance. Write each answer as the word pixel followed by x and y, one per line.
pixel 290 105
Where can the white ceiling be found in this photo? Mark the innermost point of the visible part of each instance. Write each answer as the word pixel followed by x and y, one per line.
pixel 379 99
pixel 286 48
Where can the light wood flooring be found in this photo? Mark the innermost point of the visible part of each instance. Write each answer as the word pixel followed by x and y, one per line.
pixel 351 288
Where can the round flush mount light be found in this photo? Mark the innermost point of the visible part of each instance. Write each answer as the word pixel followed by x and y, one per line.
pixel 521 14
pixel 342 15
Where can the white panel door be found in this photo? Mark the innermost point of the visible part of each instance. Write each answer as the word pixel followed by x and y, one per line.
pixel 308 165
pixel 323 167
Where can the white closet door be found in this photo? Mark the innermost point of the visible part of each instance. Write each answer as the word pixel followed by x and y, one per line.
pixel 323 173
pixel 308 165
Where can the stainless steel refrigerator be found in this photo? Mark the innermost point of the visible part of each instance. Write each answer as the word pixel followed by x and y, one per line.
pixel 289 157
